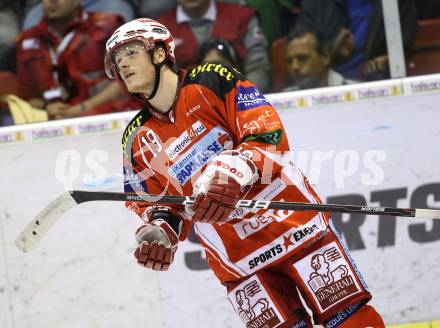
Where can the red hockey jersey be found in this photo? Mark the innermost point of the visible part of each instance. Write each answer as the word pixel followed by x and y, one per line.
pixel 215 109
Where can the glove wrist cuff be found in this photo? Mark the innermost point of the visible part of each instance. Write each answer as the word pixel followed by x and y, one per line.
pixel 174 221
pixel 173 237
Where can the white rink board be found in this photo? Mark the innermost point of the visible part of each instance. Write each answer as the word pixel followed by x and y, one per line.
pixel 403 277
pixel 83 273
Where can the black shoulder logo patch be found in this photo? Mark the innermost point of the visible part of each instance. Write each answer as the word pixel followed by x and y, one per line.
pixel 137 121
pixel 226 72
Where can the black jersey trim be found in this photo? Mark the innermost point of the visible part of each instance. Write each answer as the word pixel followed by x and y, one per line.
pixel 219 78
pixel 140 118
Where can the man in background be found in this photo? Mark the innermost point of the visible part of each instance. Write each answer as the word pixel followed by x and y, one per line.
pixel 359 25
pixel 124 8
pixel 59 62
pixel 309 61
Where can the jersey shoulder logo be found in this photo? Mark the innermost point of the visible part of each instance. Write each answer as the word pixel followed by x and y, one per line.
pixel 249 97
pixel 219 78
pixel 226 72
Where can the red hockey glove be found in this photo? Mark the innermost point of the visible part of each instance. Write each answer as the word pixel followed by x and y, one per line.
pixel 158 241
pixel 227 178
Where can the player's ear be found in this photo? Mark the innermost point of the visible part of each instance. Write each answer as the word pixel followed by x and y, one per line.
pixel 159 55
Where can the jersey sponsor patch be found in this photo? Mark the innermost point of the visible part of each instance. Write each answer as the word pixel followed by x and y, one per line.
pixel 280 246
pixel 249 98
pixel 328 276
pixel 133 183
pixel 180 144
pixel 255 223
pixel 254 305
pixel 272 137
pixel 342 316
pixel 265 128
pixel 266 255
pixel 222 70
pixel 200 153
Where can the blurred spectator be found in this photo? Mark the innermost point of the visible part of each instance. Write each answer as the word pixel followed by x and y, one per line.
pixel 277 17
pixel 356 30
pixel 195 21
pixel 60 62
pixel 120 7
pixel 154 8
pixel 11 13
pixel 219 51
pixel 428 9
pixel 308 60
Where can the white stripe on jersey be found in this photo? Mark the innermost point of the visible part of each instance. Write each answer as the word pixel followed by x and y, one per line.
pixel 292 172
pixel 211 238
pixel 297 177
pixel 220 262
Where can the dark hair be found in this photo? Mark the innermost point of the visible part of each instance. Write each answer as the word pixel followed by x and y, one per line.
pixel 300 31
pixel 222 46
pixel 168 62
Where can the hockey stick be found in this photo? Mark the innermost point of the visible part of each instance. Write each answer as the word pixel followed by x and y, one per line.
pixel 40 225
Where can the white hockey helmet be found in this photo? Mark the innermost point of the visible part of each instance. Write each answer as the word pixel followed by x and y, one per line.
pixel 146 30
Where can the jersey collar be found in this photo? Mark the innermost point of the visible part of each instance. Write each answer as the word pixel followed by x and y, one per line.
pixel 182 17
pixel 168 117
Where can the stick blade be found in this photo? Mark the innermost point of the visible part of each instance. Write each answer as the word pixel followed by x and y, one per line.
pixel 40 225
pixel 427 214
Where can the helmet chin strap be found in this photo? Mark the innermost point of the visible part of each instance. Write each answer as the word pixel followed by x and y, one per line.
pixel 157 76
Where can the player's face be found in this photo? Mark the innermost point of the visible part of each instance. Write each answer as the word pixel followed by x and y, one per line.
pixel 192 4
pixel 56 9
pixel 135 67
pixel 307 67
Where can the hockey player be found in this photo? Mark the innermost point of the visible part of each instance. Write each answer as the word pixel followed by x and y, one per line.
pixel 210 133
